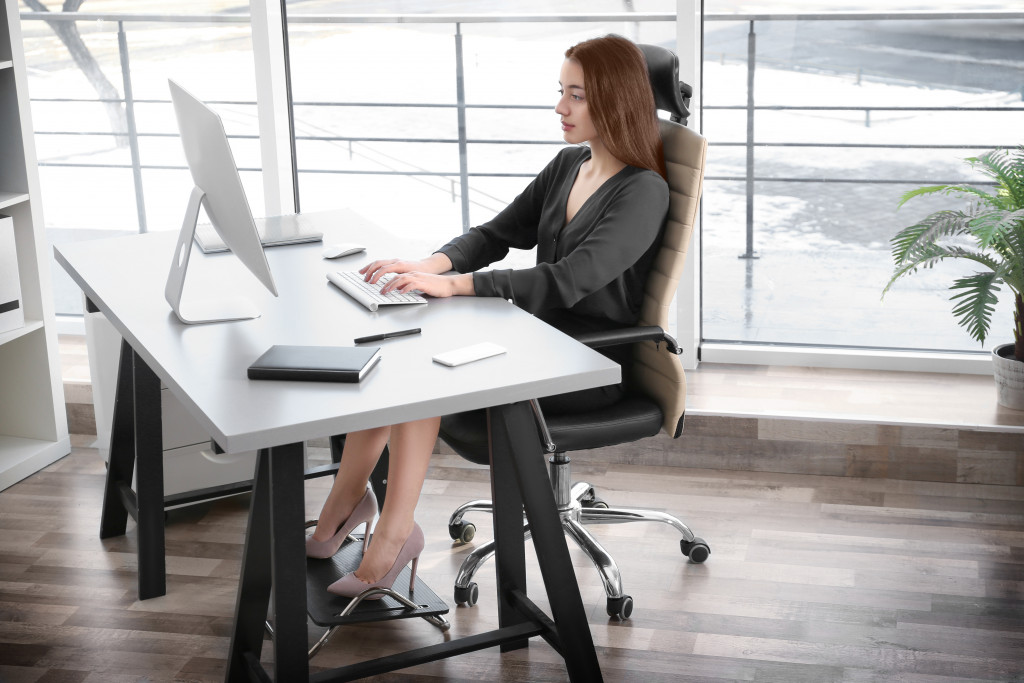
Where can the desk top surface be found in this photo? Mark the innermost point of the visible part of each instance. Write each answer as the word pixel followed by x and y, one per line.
pixel 205 365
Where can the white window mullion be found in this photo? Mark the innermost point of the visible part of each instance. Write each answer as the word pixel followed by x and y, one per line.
pixel 272 105
pixel 688 43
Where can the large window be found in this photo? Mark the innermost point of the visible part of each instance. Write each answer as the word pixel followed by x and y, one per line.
pixel 109 157
pixel 432 121
pixel 817 126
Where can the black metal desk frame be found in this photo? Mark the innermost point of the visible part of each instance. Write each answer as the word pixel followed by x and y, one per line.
pixel 274 555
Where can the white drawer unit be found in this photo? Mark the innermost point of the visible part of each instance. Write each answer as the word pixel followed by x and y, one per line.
pixel 179 428
pixel 189 468
pixel 191 462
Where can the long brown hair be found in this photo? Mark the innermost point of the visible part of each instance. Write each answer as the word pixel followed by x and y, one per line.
pixel 620 100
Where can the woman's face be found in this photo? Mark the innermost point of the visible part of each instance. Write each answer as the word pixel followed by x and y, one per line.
pixel 577 126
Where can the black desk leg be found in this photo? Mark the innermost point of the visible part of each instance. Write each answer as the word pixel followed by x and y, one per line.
pixel 254 580
pixel 149 482
pixel 274 556
pixel 136 441
pixel 510 551
pixel 121 460
pixel 288 563
pixel 514 425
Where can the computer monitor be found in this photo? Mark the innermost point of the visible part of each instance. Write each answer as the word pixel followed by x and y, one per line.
pixel 218 189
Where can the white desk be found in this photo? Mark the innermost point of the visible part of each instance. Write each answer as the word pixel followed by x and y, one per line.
pixel 205 366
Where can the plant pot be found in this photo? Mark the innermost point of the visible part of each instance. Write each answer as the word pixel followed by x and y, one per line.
pixel 1009 376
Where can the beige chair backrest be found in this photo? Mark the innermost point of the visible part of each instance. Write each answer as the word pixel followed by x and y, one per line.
pixel 657 371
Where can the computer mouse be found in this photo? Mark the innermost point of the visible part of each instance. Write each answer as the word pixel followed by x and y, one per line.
pixel 344 249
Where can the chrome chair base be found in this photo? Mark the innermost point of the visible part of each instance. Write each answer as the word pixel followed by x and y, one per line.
pixel 577 505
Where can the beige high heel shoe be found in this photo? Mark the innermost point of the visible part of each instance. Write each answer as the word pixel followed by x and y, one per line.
pixel 364 511
pixel 351 585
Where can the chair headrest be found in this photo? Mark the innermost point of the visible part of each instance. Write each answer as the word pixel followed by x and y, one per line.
pixel 670 94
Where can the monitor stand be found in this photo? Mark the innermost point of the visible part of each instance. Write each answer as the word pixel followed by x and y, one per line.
pixel 204 310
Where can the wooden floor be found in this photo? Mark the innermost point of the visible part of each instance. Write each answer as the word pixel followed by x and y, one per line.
pixel 811 578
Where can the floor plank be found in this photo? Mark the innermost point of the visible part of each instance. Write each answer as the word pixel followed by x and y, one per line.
pixel 811 578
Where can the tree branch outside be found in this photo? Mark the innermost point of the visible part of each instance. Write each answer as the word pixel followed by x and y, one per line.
pixel 67 31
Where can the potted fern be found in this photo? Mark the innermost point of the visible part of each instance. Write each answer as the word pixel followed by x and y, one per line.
pixel 988 230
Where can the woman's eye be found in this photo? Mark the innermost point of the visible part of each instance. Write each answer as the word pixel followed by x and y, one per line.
pixel 578 98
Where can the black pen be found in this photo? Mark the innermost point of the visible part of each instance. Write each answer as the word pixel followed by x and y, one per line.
pixel 386 335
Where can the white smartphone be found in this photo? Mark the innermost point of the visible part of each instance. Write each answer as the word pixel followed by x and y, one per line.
pixel 468 354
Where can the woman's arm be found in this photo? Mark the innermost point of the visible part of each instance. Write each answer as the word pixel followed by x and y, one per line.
pixel 628 227
pixel 515 227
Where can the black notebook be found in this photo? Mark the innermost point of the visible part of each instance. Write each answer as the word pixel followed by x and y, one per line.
pixel 315 363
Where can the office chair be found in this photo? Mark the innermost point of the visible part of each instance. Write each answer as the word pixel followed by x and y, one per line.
pixel 657 395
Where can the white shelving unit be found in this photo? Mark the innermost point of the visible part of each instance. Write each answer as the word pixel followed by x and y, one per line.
pixel 33 421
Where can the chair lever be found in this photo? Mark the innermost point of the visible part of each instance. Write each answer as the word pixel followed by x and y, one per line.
pixel 672 344
pixel 545 433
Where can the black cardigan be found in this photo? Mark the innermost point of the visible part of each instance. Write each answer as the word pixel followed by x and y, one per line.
pixel 590 273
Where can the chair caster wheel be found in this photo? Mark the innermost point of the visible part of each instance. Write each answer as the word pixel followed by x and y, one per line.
pixel 467 596
pixel 590 500
pixel 620 608
pixel 697 549
pixel 463 532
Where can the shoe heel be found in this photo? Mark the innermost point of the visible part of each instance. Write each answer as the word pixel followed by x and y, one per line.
pixel 412 574
pixel 364 512
pixel 350 585
pixel 366 538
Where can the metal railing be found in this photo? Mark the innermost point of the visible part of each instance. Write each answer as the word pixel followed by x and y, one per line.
pixel 463 174
pixel 750 143
pixel 461 105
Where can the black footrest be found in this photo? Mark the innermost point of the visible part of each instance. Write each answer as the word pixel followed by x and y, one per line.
pixel 324 608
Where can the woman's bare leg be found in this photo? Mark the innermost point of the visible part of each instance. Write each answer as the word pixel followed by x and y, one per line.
pixel 360 455
pixel 410 449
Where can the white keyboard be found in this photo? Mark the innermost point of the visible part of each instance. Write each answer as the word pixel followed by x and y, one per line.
pixel 368 294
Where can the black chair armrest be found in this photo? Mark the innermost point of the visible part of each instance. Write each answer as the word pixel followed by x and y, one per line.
pixel 628 335
pixel 596 340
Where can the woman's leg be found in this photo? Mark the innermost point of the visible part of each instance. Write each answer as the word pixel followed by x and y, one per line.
pixel 358 458
pixel 410 449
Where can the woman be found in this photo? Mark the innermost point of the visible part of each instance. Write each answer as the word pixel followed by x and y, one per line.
pixel 595 214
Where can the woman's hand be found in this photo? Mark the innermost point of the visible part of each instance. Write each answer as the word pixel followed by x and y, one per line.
pixel 430 284
pixel 433 264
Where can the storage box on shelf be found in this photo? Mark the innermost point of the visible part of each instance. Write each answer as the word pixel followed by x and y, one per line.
pixel 12 314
